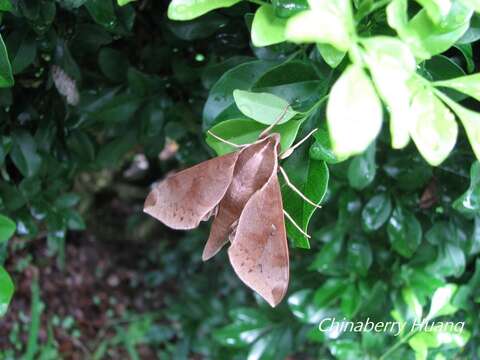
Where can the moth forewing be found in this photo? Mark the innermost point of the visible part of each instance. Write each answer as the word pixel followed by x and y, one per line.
pixel 252 170
pixel 259 250
pixel 183 200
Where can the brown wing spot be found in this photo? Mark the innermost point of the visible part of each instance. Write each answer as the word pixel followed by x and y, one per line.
pixel 277 292
pixel 151 200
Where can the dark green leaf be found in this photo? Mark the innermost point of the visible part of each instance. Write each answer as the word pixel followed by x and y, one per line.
pixel 404 232
pixel 24 154
pixel 7 228
pixel 362 169
pixel 6 77
pixel 376 212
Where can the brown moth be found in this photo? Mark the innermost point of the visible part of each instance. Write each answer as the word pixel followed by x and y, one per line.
pixel 241 190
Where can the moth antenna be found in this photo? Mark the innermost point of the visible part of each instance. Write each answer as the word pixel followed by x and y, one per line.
pixel 295 224
pixel 289 151
pixel 287 180
pixel 272 125
pixel 225 141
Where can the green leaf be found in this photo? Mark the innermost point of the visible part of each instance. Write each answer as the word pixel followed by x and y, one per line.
pixel 287 8
pixel 412 302
pixel 241 77
pixel 267 28
pixel 376 212
pixel 246 327
pixel 124 2
pixel 469 85
pixel 335 17
pixel 103 12
pixel 423 36
pixel 470 121
pixel 392 64
pixel 6 5
pixel 436 9
pixel 331 55
pixel 275 344
pixel 6 291
pixel 450 336
pixel 190 9
pixel 441 302
pixel 7 228
pixel 311 178
pixel 474 4
pixel 450 261
pixel 113 64
pixel 433 127
pixel 24 154
pixel 354 112
pixel 6 77
pixel 404 232
pixel 22 49
pixel 469 202
pixel 362 170
pixel 199 28
pixel 302 307
pixel 263 107
pixel 329 292
pixel 246 131
pixel 321 149
pixel 359 255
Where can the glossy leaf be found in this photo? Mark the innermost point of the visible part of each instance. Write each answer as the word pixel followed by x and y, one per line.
pixel 354 113
pixel 362 169
pixel 264 108
pixel 190 9
pixel 432 127
pixel 404 232
pixel 267 28
pixel 245 131
pixel 376 212
pixel 469 85
pixel 321 149
pixel 424 37
pixel 436 9
pixel 392 64
pixel 302 307
pixel 335 17
pixel 6 77
pixel 441 302
pixel 311 178
pixel 7 228
pixel 6 291
pixel 331 55
pixel 469 202
pixel 25 155
pixel 241 77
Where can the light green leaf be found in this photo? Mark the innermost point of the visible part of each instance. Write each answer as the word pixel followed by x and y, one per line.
pixel 436 9
pixel 391 64
pixel 328 21
pixel 412 302
pixel 190 9
pixel 246 131
pixel 469 85
pixel 331 55
pixel 432 127
pixel 6 291
pixel 470 121
pixel 264 108
pixel 474 4
pixel 354 112
pixel 441 299
pixel 5 5
pixel 422 35
pixel 7 228
pixel 6 77
pixel 267 28
pixel 220 97
pixel 123 2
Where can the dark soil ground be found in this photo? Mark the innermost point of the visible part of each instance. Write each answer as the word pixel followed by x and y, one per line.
pixel 99 284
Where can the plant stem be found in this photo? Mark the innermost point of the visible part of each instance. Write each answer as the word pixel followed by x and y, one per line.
pixel 399 343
